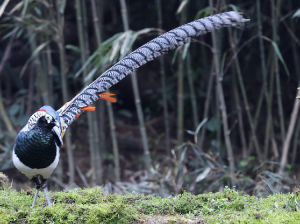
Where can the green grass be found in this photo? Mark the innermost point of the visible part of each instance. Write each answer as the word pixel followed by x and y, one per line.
pixel 93 206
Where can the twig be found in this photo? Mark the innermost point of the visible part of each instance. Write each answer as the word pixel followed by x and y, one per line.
pixel 82 177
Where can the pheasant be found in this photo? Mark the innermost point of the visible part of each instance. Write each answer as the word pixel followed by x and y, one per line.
pixel 36 148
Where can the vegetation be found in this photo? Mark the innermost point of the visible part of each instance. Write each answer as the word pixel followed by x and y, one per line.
pixel 94 206
pixel 221 111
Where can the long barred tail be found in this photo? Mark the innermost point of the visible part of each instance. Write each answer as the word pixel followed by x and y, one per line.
pixel 149 51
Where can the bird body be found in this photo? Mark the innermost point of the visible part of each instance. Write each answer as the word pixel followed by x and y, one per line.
pixel 36 149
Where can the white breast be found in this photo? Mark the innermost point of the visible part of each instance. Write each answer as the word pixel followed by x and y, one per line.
pixel 29 172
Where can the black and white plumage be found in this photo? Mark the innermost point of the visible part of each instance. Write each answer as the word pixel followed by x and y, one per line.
pixel 36 149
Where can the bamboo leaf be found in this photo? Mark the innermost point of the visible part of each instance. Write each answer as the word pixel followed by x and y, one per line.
pixel 10 33
pixel 235 8
pixel 91 74
pixel 115 51
pixel 3 6
pixel 185 49
pixel 204 11
pixel 183 154
pixel 86 64
pixel 203 175
pixel 20 33
pixel 37 10
pixel 198 129
pixel 35 53
pixel 213 124
pixel 276 48
pixel 73 48
pixel 62 6
pixel 190 132
pixel 126 48
pixel 25 7
pixel 181 6
pixel 136 34
pixel 200 125
pixel 296 14
pixel 175 55
pixel 17 7
pixel 116 46
pixel 100 51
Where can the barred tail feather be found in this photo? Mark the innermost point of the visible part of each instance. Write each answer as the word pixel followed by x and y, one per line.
pixel 149 51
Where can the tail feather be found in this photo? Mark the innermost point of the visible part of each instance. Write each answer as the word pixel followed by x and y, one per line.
pixel 149 51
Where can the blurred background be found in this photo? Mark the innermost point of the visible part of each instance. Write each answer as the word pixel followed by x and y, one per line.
pixel 220 111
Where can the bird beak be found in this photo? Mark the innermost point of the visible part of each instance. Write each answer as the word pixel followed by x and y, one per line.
pixel 48 121
pixel 58 131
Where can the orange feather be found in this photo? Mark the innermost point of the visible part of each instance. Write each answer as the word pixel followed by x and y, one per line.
pixel 107 96
pixel 88 108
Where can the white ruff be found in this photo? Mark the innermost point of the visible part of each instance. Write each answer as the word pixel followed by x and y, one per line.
pixel 29 172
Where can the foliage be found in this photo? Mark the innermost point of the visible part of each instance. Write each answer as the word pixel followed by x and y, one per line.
pixel 191 166
pixel 94 206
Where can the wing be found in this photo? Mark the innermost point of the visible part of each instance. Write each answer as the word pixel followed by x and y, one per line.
pixel 149 51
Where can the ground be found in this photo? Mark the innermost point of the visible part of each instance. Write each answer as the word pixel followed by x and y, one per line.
pixel 94 206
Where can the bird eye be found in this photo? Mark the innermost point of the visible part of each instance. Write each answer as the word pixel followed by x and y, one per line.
pixel 48 118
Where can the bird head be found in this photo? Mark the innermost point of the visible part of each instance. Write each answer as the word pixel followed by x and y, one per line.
pixel 49 118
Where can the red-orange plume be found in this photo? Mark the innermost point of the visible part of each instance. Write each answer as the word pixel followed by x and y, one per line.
pixel 88 108
pixel 107 96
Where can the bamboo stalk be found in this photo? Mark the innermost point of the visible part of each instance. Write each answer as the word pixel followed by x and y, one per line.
pixel 180 88
pixel 92 119
pixel 192 91
pixel 137 97
pixel 206 106
pixel 40 76
pixel 114 142
pixel 277 78
pixel 5 116
pixel 286 144
pixel 163 85
pixel 256 117
pixel 244 95
pixel 83 48
pixel 47 59
pixel 240 119
pixel 268 96
pixel 4 59
pixel 50 74
pixel 97 25
pixel 270 122
pixel 222 101
pixel 62 59
pixel 294 114
pixel 297 69
pixel 295 143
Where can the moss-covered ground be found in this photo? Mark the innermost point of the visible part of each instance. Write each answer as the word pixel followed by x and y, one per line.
pixel 93 206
